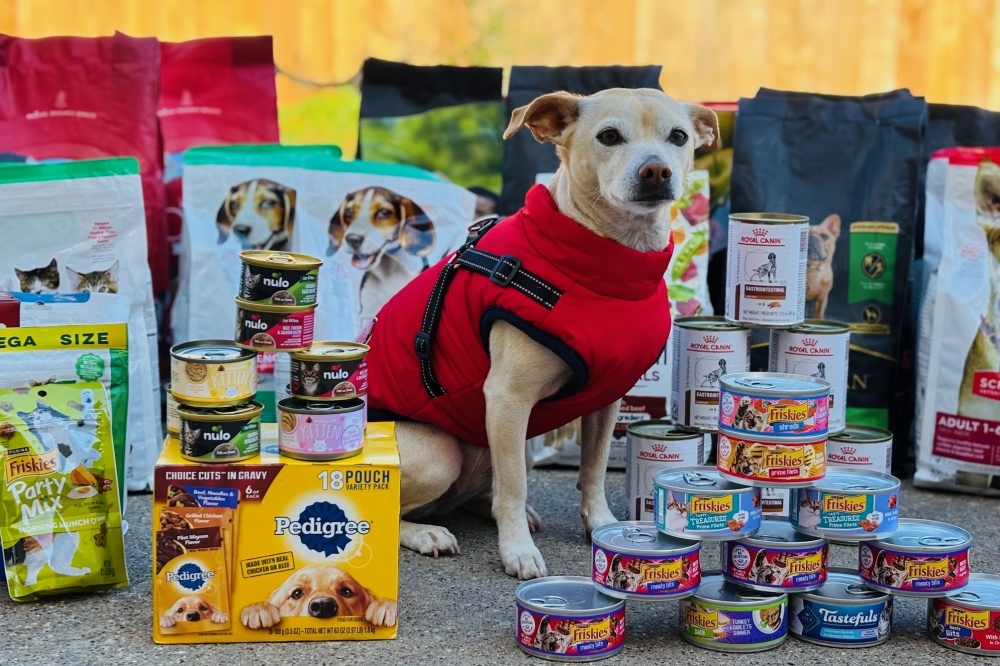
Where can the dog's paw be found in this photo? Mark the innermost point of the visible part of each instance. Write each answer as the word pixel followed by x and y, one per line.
pixel 218 617
pixel 428 539
pixel 525 562
pixel 596 517
pixel 534 520
pixel 167 621
pixel 381 613
pixel 260 616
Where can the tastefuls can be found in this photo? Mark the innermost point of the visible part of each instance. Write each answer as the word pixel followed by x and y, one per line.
pixel 320 430
pixel 776 558
pixel 566 618
pixel 221 434
pixel 650 447
pixel 279 278
pixel 968 621
pixel 843 613
pixel 761 460
pixel 330 371
pixel 922 558
pixel 848 506
pixel 729 618
pixel 860 447
pixel 774 404
pixel 766 274
pixel 632 560
pixel 818 349
pixel 704 349
pixel 274 327
pixel 212 373
pixel 697 503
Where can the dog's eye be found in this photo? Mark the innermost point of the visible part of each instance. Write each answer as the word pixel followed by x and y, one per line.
pixel 268 203
pixel 383 214
pixel 203 608
pixel 349 214
pixel 346 592
pixel 610 137
pixel 180 611
pixel 678 137
pixel 297 593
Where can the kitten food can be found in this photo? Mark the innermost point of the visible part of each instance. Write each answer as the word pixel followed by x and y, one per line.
pixel 922 558
pixel 279 278
pixel 330 371
pixel 632 560
pixel 704 349
pixel 766 275
pixel 274 327
pixel 968 621
pixel 566 618
pixel 652 446
pixel 842 614
pixel 173 418
pixel 212 373
pixel 848 506
pixel 221 434
pixel 773 404
pixel 758 460
pixel 777 558
pixel 729 618
pixel 861 447
pixel 310 430
pixel 697 503
pixel 816 349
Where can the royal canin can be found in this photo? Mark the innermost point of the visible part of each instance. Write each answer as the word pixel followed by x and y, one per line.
pixel 653 446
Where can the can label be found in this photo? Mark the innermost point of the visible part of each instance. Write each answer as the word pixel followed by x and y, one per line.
pixel 874 456
pixel 836 624
pixel 720 625
pixel 819 356
pixel 548 634
pixel 275 285
pixel 173 418
pixel 779 568
pixel 936 574
pixel 275 331
pixel 721 516
pixel 326 380
pixel 701 357
pixel 775 501
pixel 320 436
pixel 646 457
pixel 771 463
pixel 749 413
pixel 844 514
pixel 766 276
pixel 207 382
pixel 220 441
pixel 971 629
pixel 666 576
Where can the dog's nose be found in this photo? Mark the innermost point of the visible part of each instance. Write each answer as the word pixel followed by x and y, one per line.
pixel 654 173
pixel 193 617
pixel 241 230
pixel 354 241
pixel 323 607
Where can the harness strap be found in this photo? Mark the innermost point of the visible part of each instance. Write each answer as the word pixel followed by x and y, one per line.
pixel 503 270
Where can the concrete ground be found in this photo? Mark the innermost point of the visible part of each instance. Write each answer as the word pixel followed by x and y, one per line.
pixel 460 610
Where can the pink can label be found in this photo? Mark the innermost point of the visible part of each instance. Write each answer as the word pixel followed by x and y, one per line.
pixel 319 435
pixel 935 574
pixel 749 413
pixel 553 634
pixel 671 576
pixel 275 331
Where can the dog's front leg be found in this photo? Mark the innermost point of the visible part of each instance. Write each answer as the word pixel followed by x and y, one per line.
pixel 594 450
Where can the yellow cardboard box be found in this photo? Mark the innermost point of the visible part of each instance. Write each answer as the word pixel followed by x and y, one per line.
pixel 311 552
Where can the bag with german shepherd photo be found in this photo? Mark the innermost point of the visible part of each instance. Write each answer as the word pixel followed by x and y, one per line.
pixel 851 164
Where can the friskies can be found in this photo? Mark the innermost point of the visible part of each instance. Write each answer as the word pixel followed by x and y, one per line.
pixel 849 506
pixel 774 404
pixel 777 558
pixel 970 620
pixel 728 618
pixel 697 503
pixel 632 560
pixel 922 558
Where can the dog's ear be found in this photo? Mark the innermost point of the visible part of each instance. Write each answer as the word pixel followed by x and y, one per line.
pixel 706 126
pixel 288 194
pixel 832 222
pixel 417 234
pixel 547 117
pixel 337 229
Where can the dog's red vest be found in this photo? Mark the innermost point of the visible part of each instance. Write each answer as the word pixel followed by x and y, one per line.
pixel 609 324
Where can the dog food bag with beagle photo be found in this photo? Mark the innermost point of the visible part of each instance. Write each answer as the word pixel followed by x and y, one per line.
pixel 63 407
pixel 958 442
pixel 77 227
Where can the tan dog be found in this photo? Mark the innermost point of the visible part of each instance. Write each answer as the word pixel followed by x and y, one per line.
pixel 624 157
pixel 261 213
pixel 320 592
pixel 819 268
pixel 192 609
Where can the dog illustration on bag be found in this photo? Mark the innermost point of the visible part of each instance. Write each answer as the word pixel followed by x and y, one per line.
pixel 260 213
pixel 768 270
pixel 192 609
pixel 387 236
pixel 819 264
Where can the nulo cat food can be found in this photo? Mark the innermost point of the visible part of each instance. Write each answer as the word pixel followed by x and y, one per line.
pixel 697 503
pixel 212 373
pixel 173 419
pixel 221 434
pixel 330 371
pixel 922 558
pixel 766 275
pixel 968 621
pixel 763 461
pixel 848 506
pixel 705 348
pixel 816 349
pixel 320 430
pixel 843 613
pixel 729 618
pixel 274 327
pixel 566 618
pixel 279 278
pixel 632 560
pixel 776 558
pixel 773 404
pixel 860 447
pixel 652 446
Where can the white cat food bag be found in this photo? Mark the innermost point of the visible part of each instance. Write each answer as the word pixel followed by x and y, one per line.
pixel 63 409
pixel 958 390
pixel 74 227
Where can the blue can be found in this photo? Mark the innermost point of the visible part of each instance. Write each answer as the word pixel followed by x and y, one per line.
pixel 843 613
pixel 847 506
pixel 697 503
